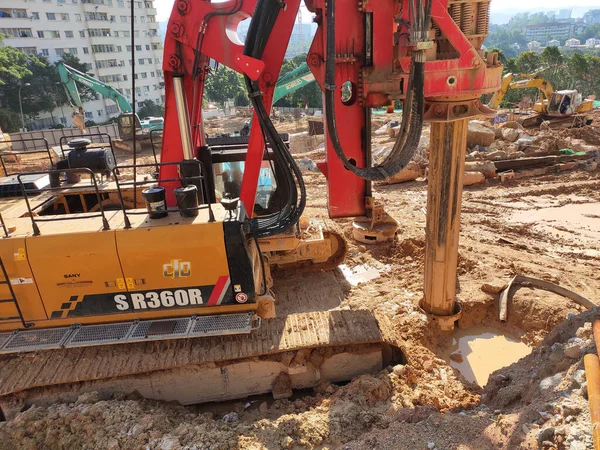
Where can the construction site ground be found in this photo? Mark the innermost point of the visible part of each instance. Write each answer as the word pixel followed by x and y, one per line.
pixel 544 226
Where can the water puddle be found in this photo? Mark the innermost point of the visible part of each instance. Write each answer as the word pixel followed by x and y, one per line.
pixel 477 352
pixel 361 273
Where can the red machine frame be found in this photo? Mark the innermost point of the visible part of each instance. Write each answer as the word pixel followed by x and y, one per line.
pixel 372 53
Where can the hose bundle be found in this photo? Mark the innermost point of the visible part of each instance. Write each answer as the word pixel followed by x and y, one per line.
pixel 261 26
pixel 412 119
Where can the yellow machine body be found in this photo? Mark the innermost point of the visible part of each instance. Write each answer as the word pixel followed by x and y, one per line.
pixel 76 272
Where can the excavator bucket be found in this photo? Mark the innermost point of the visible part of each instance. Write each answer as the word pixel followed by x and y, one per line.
pixel 79 121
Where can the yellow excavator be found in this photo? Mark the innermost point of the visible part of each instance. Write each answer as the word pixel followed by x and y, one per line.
pixel 557 107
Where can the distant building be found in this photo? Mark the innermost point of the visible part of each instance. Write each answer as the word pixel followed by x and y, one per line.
pixel 98 33
pixel 572 42
pixel 592 17
pixel 564 14
pixel 550 30
pixel 553 43
pixel 592 42
pixel 534 46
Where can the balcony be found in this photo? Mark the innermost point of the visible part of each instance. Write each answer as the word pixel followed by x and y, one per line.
pixel 151 11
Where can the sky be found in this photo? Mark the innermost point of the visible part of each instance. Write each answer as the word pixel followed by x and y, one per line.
pixel 164 6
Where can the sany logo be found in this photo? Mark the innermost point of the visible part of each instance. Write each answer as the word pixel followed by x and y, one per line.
pixel 177 269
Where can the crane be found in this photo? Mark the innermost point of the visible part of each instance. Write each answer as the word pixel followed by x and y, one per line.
pixel 187 269
pixel 69 77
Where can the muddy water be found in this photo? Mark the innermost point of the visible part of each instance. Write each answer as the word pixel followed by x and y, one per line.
pixel 483 350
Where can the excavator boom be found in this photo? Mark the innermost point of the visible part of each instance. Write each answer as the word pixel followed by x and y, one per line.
pixel 69 76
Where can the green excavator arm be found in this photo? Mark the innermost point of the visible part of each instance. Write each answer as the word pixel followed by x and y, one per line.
pixel 69 76
pixel 292 81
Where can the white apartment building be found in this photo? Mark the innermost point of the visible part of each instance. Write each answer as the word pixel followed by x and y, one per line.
pixel 99 33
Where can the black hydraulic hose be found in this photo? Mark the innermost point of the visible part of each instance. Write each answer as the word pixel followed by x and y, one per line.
pixel 412 120
pixel 261 25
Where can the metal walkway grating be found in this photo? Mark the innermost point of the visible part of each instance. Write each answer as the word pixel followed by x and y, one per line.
pixel 84 335
pixel 161 329
pixel 224 324
pixel 99 334
pixel 37 339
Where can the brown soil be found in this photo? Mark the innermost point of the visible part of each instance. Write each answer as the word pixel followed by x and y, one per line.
pixel 424 404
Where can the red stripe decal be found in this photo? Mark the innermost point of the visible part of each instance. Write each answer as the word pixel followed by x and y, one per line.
pixel 216 293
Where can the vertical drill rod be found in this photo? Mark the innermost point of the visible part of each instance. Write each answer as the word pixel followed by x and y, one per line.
pixel 444 196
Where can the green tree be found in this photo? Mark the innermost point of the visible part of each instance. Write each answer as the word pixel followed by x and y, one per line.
pixel 150 109
pixel 528 62
pixel 223 84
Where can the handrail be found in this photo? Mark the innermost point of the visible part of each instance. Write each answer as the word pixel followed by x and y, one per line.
pixel 135 183
pixel 86 136
pixel 36 230
pixel 25 152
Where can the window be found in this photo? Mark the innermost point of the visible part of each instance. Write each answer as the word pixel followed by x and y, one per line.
pixel 156 61
pixel 138 48
pixel 136 33
pixel 141 61
pixel 81 33
pixel 136 76
pixel 121 63
pixel 121 4
pixel 50 16
pixel 89 115
pixel 72 50
pixel 96 16
pixel 59 51
pixel 125 77
pixel 123 19
pixel 103 48
pixel 54 34
pixel 45 52
pixel 138 91
pixel 156 46
pixel 116 34
pixel 144 75
pixel 99 113
pixel 128 91
pixel 78 17
pixel 112 109
pixel 113 18
pixel 149 60
pixel 60 1
pixel 152 74
pixel 88 66
pixel 35 16
pixel 119 48
pixel 146 88
pixel 126 34
pixel 86 50
pixel 143 19
pixel 40 34
pixel 64 17
pixel 147 47
pixel 109 2
pixel 138 4
pixel 99 32
pixel 69 34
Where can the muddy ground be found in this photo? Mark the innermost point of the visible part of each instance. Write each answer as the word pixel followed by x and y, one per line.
pixel 545 227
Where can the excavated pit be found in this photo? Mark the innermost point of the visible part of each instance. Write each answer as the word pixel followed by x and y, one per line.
pixel 537 402
pixel 479 351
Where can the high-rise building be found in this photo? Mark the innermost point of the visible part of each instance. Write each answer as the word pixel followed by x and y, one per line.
pixel 98 32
